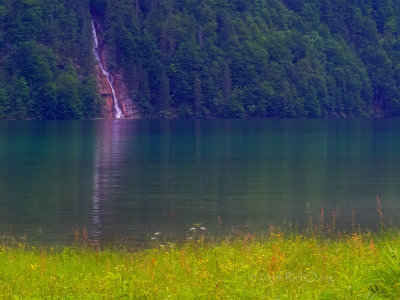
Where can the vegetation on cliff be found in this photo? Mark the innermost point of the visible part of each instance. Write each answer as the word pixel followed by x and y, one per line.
pixel 203 58
pixel 46 60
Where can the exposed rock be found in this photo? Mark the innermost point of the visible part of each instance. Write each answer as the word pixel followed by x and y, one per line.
pixel 106 93
pixel 126 103
pixel 121 92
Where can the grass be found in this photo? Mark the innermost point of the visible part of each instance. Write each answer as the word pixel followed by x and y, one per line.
pixel 320 263
pixel 279 266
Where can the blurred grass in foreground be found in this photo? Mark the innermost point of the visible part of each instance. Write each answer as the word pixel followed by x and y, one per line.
pixel 276 266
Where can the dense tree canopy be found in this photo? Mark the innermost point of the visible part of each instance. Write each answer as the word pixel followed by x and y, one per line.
pixel 46 60
pixel 203 58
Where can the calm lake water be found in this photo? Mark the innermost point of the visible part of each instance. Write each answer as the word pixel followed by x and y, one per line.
pixel 128 179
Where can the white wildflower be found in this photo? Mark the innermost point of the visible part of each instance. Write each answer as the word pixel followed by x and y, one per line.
pixel 203 228
pixel 192 229
pixel 157 233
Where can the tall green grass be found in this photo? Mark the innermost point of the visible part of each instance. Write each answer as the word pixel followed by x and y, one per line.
pixel 279 266
pixel 317 263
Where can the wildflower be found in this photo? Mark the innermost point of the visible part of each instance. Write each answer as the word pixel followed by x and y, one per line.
pixel 192 229
pixel 190 238
pixel 153 238
pixel 203 228
pixel 157 233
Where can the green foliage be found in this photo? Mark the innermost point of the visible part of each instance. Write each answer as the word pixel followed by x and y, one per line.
pixel 4 103
pixel 21 105
pixel 386 280
pixel 261 58
pixel 68 100
pixel 275 266
pixel 46 62
pixel 206 58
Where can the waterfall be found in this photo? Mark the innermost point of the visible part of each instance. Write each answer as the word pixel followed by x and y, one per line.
pixel 117 110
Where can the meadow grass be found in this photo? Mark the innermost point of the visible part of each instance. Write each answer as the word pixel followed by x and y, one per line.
pixel 276 266
pixel 319 263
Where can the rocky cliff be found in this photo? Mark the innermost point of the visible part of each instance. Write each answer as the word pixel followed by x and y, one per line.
pixel 121 92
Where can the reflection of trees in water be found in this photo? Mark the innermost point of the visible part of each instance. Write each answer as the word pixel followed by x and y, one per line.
pixel 133 180
pixel 164 176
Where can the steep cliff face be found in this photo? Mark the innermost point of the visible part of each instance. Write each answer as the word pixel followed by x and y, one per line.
pixel 124 102
pixel 106 93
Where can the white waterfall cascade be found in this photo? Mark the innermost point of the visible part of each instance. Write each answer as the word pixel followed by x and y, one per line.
pixel 117 110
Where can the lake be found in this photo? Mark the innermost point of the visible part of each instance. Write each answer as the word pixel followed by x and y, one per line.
pixel 126 179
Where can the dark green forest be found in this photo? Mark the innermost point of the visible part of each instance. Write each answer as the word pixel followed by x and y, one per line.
pixel 203 58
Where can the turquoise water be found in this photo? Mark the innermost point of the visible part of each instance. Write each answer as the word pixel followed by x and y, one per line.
pixel 126 179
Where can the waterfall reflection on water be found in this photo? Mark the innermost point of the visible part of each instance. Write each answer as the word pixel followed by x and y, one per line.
pixel 125 179
pixel 108 157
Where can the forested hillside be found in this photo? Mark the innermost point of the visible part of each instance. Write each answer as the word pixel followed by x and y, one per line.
pixel 46 60
pixel 203 58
